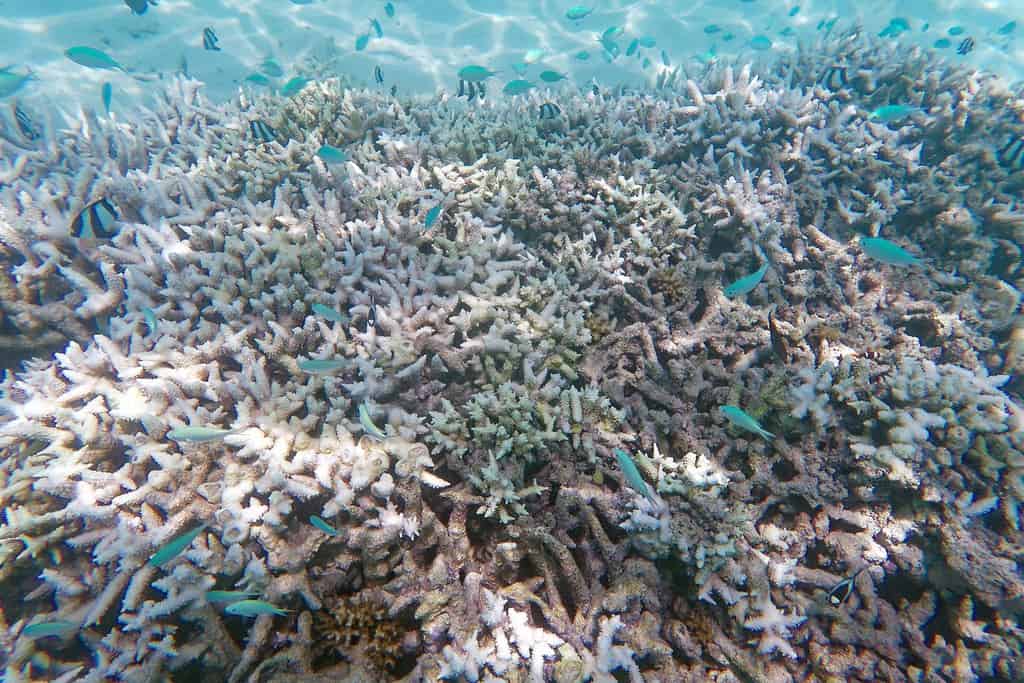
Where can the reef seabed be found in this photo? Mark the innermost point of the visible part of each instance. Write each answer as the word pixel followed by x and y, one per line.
pixel 568 301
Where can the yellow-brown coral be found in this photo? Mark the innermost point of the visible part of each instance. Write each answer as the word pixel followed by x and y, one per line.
pixel 359 631
pixel 669 282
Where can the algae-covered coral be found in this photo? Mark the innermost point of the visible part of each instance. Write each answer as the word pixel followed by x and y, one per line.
pixel 568 302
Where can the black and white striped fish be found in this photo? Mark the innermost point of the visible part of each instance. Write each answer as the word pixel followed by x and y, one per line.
pixel 371 315
pixel 843 590
pixel 210 40
pixel 25 123
pixel 378 75
pixel 966 45
pixel 96 221
pixel 262 131
pixel 394 90
pixel 483 91
pixel 549 110
pixel 835 78
pixel 1011 155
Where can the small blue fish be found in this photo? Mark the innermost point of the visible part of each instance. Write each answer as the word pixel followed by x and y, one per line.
pixel 664 58
pixel 44 629
pixel 793 12
pixel 258 79
pixel 378 75
pixel 92 58
pixel 362 41
pixel 611 33
pixel 106 92
pixel 746 283
pixel 893 112
pixel 583 55
pixel 332 155
pixel 647 42
pixel 709 57
pixel 577 12
pixel 229 596
pixel 175 546
pixel 150 317
pixel 253 608
pixel 890 31
pixel 533 56
pixel 551 76
pixel 712 28
pixel 318 366
pixel 740 418
pixel 631 473
pixel 271 68
pixel 372 430
pixel 432 215
pixel 329 313
pixel 517 86
pixel 293 86
pixel 942 43
pixel 1007 28
pixel 375 25
pixel 389 9
pixel 323 526
pixel 198 434
pixel 633 46
pixel 885 251
pixel 761 42
pixel 11 82
pixel 955 30
pixel 474 73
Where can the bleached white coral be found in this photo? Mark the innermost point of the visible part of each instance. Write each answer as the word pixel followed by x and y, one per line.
pixel 812 395
pixel 609 657
pixel 533 643
pixel 468 660
pixel 774 626
pixel 693 472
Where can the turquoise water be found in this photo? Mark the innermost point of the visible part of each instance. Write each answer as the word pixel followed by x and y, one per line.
pixel 425 42
pixel 517 341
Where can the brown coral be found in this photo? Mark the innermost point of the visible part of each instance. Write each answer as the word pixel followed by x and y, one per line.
pixel 358 630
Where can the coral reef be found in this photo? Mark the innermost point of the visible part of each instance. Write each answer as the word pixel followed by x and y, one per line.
pixel 568 302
